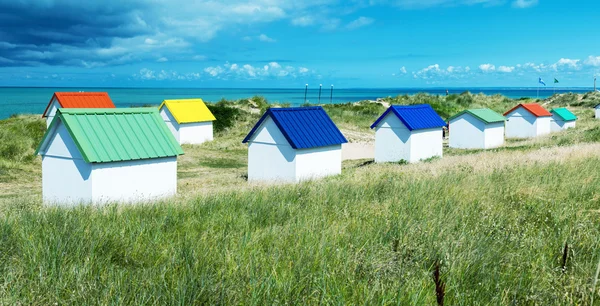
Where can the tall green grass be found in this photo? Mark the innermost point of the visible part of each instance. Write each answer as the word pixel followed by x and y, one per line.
pixel 370 236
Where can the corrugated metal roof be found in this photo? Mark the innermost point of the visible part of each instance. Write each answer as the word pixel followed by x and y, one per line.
pixel 414 117
pixel 564 114
pixel 110 135
pixel 534 108
pixel 188 110
pixel 303 127
pixel 81 100
pixel 484 114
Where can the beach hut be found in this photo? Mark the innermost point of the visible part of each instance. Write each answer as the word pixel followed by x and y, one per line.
pixel 189 120
pixel 294 144
pixel 476 129
pixel 597 108
pixel 411 133
pixel 527 120
pixel 76 100
pixel 562 119
pixel 105 155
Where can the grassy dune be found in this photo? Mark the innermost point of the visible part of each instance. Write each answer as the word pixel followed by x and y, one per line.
pixel 495 221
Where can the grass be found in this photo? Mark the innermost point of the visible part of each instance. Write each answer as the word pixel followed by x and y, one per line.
pixel 493 224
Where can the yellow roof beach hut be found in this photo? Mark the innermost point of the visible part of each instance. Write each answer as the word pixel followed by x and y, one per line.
pixel 189 120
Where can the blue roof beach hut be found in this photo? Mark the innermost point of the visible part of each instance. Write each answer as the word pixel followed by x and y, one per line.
pixel 408 132
pixel 294 144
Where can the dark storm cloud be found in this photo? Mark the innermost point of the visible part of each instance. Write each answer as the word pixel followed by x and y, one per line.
pixel 45 32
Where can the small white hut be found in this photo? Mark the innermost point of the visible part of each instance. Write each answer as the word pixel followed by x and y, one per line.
pixel 189 120
pixel 76 100
pixel 597 108
pixel 562 119
pixel 108 155
pixel 527 120
pixel 408 132
pixel 476 129
pixel 294 144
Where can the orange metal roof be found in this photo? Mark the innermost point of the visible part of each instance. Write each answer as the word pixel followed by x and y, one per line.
pixel 81 100
pixel 534 108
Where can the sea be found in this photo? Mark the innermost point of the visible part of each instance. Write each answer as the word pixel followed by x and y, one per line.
pixel 33 100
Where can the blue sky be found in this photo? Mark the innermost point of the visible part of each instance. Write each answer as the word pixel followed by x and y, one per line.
pixel 275 43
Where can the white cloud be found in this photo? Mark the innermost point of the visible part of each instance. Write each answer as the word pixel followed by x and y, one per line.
pixel 247 72
pixel 331 24
pixel 506 69
pixel 593 61
pixel 162 59
pixel 214 71
pixel 450 69
pixel 265 38
pixel 359 23
pixel 487 67
pixel 199 57
pixel 147 74
pixel 566 63
pixel 303 21
pixel 524 3
pixel 403 70
pixel 419 4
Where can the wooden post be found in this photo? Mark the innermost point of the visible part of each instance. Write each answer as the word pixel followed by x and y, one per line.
pixel 305 91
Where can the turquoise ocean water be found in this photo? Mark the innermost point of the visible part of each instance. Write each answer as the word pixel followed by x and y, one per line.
pixel 24 100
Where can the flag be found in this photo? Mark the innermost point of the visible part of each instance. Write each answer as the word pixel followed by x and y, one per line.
pixel 542 82
pixel 555 81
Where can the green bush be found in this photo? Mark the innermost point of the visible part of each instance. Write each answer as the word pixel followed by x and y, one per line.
pixel 226 116
pixel 19 137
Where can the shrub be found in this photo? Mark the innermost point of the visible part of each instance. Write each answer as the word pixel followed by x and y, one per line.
pixel 225 115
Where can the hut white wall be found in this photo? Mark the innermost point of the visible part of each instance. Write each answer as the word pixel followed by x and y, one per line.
pixel 318 162
pixel 494 135
pixel 195 133
pixel 171 122
pixel 66 177
pixel 542 125
pixel 52 112
pixel 134 181
pixel 467 132
pixel 598 112
pixel 557 124
pixel 425 144
pixel 392 140
pixel 520 124
pixel 270 156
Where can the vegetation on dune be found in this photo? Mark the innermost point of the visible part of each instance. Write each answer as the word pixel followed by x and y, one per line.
pixel 372 235
pixel 513 225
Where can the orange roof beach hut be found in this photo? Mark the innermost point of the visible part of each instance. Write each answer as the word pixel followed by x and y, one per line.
pixel 527 120
pixel 76 100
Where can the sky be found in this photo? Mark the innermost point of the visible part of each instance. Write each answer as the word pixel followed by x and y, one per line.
pixel 287 44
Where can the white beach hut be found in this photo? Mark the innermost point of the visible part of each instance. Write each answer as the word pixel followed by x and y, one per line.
pixel 408 132
pixel 476 129
pixel 76 100
pixel 597 108
pixel 294 144
pixel 105 155
pixel 189 120
pixel 562 119
pixel 527 120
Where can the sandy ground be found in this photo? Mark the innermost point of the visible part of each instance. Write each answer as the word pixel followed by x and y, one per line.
pixel 351 151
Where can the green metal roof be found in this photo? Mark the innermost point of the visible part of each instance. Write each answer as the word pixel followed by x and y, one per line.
pixel 564 114
pixel 484 114
pixel 121 134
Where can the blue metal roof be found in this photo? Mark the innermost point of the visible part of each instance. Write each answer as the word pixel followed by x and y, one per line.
pixel 303 127
pixel 414 117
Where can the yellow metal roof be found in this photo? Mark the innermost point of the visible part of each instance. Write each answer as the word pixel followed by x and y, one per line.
pixel 188 110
